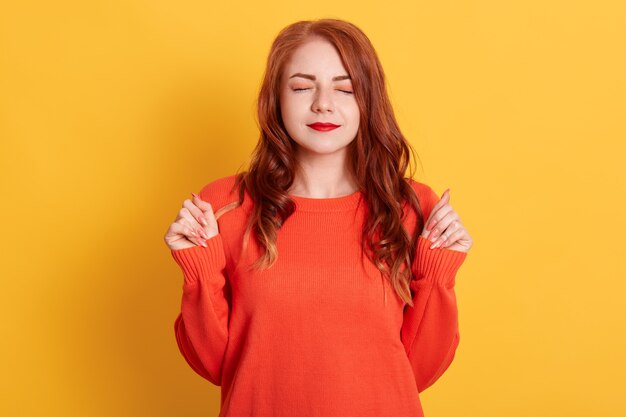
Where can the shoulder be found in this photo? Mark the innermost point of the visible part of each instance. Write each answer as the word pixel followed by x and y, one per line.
pixel 220 191
pixel 426 196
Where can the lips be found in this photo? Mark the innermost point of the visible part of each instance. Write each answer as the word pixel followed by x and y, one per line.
pixel 323 127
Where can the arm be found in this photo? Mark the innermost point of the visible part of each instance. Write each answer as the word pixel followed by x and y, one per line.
pixel 430 328
pixel 201 328
pixel 430 332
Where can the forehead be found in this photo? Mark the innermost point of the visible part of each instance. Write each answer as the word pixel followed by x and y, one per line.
pixel 317 57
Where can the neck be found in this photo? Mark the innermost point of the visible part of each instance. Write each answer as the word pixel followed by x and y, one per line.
pixel 325 176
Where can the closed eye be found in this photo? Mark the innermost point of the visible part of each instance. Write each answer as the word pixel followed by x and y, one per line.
pixel 304 89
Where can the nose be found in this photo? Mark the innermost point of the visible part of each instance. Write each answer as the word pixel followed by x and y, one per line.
pixel 323 101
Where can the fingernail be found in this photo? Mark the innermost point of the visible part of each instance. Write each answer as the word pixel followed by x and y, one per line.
pixel 203 243
pixel 203 221
pixel 194 194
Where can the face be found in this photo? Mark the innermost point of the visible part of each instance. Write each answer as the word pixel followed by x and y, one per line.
pixel 316 88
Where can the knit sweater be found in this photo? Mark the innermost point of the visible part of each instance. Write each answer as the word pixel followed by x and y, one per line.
pixel 322 333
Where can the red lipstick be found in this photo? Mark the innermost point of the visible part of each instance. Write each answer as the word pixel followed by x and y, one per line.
pixel 323 127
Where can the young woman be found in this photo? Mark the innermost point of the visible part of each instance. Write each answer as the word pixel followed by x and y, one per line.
pixel 312 285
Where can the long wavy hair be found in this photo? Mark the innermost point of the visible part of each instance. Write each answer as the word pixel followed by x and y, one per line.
pixel 379 156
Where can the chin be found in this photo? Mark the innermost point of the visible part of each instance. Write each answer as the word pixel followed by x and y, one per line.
pixel 330 148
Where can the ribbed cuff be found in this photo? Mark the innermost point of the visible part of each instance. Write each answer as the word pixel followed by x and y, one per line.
pixel 439 264
pixel 198 261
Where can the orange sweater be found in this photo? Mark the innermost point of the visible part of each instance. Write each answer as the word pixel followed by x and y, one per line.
pixel 320 333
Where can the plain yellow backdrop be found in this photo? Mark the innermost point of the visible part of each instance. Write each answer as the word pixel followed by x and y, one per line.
pixel 112 113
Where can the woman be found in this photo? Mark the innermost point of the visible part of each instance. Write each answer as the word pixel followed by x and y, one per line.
pixel 314 289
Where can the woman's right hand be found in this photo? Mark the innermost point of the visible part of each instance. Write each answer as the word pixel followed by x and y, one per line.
pixel 194 225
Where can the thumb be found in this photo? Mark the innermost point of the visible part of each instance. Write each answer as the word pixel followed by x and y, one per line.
pixel 446 195
pixel 211 227
pixel 444 199
pixel 198 201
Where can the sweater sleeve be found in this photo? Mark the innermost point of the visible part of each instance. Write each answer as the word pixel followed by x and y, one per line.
pixel 201 328
pixel 430 328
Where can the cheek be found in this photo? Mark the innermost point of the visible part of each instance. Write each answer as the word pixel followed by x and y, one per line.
pixel 355 120
pixel 291 108
pixel 286 108
pixel 289 113
pixel 285 105
pixel 354 113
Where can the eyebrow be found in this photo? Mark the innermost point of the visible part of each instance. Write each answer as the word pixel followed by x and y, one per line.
pixel 312 77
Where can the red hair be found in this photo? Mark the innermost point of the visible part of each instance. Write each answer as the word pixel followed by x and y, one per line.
pixel 378 156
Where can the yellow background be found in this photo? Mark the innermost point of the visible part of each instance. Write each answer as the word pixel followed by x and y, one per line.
pixel 111 113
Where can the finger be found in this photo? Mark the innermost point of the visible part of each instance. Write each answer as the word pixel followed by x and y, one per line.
pixel 445 235
pixel 211 228
pixel 448 223
pixel 192 234
pixel 208 220
pixel 436 218
pixel 445 199
pixel 184 213
pixel 192 223
pixel 195 211
pixel 456 235
pixel 179 228
pixel 198 201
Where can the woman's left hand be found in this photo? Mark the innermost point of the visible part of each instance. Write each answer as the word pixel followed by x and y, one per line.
pixel 444 227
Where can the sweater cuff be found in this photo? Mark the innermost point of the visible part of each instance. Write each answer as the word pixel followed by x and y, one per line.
pixel 438 265
pixel 198 261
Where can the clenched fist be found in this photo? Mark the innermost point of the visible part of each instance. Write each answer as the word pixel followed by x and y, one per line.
pixel 194 225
